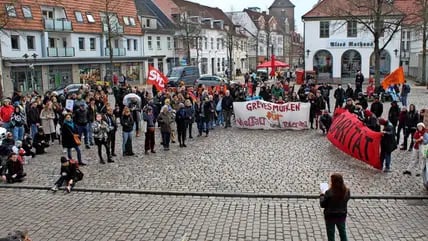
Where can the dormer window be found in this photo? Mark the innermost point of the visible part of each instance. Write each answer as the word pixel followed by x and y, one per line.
pixel 148 23
pixel 79 16
pixel 26 11
pixel 126 20
pixel 11 11
pixel 132 21
pixel 90 18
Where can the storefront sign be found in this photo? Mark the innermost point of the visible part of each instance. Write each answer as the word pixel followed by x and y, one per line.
pixel 349 43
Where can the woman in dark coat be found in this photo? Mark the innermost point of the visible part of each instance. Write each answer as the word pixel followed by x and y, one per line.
pixel 393 114
pixel 127 123
pixel 335 204
pixel 68 130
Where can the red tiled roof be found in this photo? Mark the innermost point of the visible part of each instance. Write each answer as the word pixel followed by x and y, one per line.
pixel 120 7
pixel 338 8
pixel 411 9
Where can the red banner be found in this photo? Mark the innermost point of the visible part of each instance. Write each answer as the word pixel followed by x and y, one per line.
pixel 156 78
pixel 351 136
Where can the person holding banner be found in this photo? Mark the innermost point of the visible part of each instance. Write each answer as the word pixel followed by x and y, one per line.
pixel 335 204
pixel 387 144
pixel 416 156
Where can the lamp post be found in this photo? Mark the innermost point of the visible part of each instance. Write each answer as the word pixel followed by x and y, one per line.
pixel 30 67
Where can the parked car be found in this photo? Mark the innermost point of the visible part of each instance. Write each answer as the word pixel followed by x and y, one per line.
pixel 71 88
pixel 185 74
pixel 211 80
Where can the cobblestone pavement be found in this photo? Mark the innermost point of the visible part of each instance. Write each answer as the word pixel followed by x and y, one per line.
pixel 95 216
pixel 237 161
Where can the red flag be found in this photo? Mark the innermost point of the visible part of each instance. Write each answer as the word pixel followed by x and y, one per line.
pixel 156 78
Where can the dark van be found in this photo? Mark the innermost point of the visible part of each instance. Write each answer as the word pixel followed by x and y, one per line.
pixel 187 74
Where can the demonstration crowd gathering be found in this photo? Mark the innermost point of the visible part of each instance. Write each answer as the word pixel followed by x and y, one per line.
pixel 86 118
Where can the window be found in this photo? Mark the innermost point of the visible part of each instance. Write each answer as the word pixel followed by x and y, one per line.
pixel 212 43
pixel 158 42
pixel 82 43
pixel 205 43
pixel 128 44
pixel 14 41
pixel 30 42
pixel 79 16
pixel 218 44
pixel 149 42
pixel 116 43
pixel 131 21
pixel 26 11
pixel 126 21
pixel 52 43
pixel 222 43
pixel 92 43
pixel 135 45
pixel 148 23
pixel 11 11
pixel 324 29
pixel 90 18
pixel 352 29
pixel 168 42
pixel 47 14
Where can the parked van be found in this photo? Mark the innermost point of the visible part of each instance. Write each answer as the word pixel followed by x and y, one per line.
pixel 187 74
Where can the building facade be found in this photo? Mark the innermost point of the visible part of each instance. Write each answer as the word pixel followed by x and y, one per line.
pixel 336 48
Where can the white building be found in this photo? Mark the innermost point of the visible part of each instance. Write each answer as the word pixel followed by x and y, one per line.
pixel 337 49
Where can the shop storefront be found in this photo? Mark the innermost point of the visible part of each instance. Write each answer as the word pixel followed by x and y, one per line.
pixel 132 71
pixel 59 75
pixel 26 79
pixel 89 73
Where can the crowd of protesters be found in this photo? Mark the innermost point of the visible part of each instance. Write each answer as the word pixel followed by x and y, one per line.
pixel 37 121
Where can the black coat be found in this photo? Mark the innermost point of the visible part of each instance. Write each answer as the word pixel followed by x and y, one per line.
pixel 127 123
pixel 334 208
pixel 377 108
pixel 227 103
pixel 393 114
pixel 67 136
pixel 388 143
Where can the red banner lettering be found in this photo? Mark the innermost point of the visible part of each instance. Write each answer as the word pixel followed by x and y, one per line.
pixel 351 136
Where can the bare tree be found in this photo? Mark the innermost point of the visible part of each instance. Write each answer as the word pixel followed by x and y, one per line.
pixel 418 21
pixel 188 31
pixel 379 17
pixel 111 28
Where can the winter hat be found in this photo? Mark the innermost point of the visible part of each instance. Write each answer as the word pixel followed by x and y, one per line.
pixel 421 124
pixel 382 121
pixel 368 113
pixel 64 159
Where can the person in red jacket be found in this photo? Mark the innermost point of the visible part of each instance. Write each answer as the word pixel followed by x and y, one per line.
pixel 6 112
pixel 416 162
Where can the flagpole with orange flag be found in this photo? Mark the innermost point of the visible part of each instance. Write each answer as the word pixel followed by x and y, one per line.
pixel 396 77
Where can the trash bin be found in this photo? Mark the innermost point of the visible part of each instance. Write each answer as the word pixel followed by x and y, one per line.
pixel 300 75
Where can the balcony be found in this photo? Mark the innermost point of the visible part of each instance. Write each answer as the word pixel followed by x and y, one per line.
pixel 116 52
pixel 59 25
pixel 60 52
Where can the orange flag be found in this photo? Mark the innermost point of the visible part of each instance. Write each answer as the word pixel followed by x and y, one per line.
pixel 396 77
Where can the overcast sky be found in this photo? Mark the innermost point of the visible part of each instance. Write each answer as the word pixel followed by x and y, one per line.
pixel 302 7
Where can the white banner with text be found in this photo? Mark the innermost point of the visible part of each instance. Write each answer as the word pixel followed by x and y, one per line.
pixel 259 114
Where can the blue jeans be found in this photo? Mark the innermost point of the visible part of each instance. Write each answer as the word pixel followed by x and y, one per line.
pixel 404 100
pixel 33 130
pixel 331 227
pixel 18 133
pixel 220 118
pixel 385 157
pixel 125 137
pixel 79 154
pixel 6 125
pixel 83 130
pixel 90 133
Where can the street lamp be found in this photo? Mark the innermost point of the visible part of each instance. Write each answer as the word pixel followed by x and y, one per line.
pixel 308 52
pixel 30 66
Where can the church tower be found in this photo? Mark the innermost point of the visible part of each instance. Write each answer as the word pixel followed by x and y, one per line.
pixel 282 10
